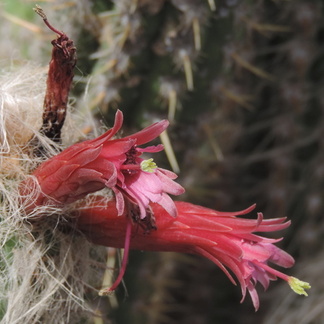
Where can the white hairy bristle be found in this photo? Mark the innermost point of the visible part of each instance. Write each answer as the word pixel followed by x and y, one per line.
pixel 42 267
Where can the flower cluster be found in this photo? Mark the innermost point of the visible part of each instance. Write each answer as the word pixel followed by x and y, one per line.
pixel 91 165
pixel 230 242
pixel 227 240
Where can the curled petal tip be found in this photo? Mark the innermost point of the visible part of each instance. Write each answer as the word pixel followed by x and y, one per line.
pixel 165 123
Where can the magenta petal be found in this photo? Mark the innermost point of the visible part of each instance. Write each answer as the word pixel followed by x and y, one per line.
pixel 168 204
pixel 168 173
pixel 151 149
pixel 168 185
pixel 149 133
pixel 88 155
pixel 69 153
pixel 111 181
pixel 261 276
pixel 84 175
pixel 276 224
pixel 107 169
pixel 49 168
pixel 254 296
pixel 63 173
pixel 52 182
pixel 80 178
pixel 281 258
pixel 120 202
pixel 111 132
pixel 117 148
pixel 147 182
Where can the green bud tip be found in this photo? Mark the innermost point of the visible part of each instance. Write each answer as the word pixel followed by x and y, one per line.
pixel 298 286
pixel 148 165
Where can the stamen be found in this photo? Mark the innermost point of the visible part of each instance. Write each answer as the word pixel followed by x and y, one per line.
pixel 108 291
pixel 298 286
pixel 295 284
pixel 41 13
pixel 148 165
pixel 277 273
pixel 130 167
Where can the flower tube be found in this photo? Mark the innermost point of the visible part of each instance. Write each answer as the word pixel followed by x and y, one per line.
pixel 227 240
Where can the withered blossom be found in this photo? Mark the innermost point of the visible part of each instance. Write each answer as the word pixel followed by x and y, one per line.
pixel 58 84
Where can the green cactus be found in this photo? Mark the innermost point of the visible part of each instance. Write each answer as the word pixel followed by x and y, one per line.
pixel 241 82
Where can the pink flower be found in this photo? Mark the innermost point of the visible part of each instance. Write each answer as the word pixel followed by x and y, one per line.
pixel 230 242
pixel 90 166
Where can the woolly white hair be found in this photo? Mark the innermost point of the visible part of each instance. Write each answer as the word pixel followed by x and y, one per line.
pixel 44 266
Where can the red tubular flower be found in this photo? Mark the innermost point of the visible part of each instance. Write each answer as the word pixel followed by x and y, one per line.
pixel 222 237
pixel 89 166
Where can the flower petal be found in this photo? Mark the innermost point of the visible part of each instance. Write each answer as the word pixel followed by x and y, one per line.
pixel 149 133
